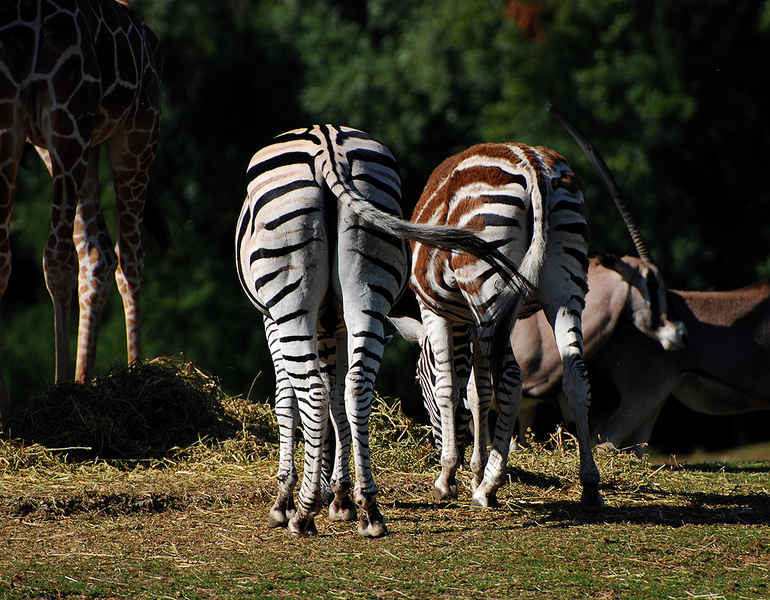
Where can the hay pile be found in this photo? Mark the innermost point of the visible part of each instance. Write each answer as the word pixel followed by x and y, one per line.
pixel 143 411
pixel 162 409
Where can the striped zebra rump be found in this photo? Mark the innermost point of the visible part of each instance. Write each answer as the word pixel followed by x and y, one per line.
pixel 324 278
pixel 526 202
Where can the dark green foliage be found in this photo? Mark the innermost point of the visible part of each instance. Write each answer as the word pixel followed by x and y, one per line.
pixel 674 95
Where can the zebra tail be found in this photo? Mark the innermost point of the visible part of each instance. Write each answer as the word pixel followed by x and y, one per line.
pixel 512 302
pixel 445 237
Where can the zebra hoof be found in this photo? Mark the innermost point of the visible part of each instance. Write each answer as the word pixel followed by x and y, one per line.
pixel 479 503
pixel 280 514
pixel 276 519
pixel 302 526
pixel 442 495
pixel 483 501
pixel 342 510
pixel 371 523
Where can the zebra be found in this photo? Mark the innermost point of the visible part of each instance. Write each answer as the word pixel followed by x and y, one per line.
pixel 320 251
pixel 462 354
pixel 527 202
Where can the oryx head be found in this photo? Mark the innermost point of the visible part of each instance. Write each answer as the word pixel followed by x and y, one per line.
pixel 647 303
pixel 652 320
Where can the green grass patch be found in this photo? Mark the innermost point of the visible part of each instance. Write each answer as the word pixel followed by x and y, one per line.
pixel 190 522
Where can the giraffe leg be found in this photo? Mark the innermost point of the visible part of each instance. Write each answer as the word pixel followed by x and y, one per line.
pixel 60 263
pixel 130 178
pixel 11 145
pixel 97 262
pixel 5 399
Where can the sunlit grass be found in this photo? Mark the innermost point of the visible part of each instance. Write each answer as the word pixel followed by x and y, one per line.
pixel 191 523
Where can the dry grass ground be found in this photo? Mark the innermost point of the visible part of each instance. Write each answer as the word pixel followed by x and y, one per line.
pixel 155 520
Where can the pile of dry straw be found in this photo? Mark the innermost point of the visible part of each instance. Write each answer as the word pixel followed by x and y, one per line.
pixel 141 411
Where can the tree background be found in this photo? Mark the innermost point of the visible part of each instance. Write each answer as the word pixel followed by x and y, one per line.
pixel 673 94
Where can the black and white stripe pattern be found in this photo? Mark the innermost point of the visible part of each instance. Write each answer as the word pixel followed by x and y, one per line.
pixel 324 279
pixel 526 202
pixel 426 377
pixel 320 251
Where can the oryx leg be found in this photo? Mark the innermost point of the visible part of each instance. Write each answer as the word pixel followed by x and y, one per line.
pixel 641 396
pixel 631 424
pixel 525 420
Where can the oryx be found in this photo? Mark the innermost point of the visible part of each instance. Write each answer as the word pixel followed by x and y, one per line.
pixel 621 291
pixel 724 368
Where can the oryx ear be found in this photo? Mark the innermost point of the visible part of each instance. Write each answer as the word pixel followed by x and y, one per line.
pixel 606 260
pixel 617 264
pixel 411 329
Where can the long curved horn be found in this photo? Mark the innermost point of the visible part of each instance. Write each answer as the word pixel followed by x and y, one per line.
pixel 609 182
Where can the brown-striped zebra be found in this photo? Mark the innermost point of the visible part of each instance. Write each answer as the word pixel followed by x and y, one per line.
pixel 529 204
pixel 320 252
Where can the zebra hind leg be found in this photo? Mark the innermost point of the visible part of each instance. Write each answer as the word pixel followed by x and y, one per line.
pixel 313 411
pixel 508 399
pixel 283 508
pixel 341 506
pixel 303 525
pixel 567 328
pixel 578 392
pixel 286 412
pixel 438 349
pixel 371 523
pixel 359 387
